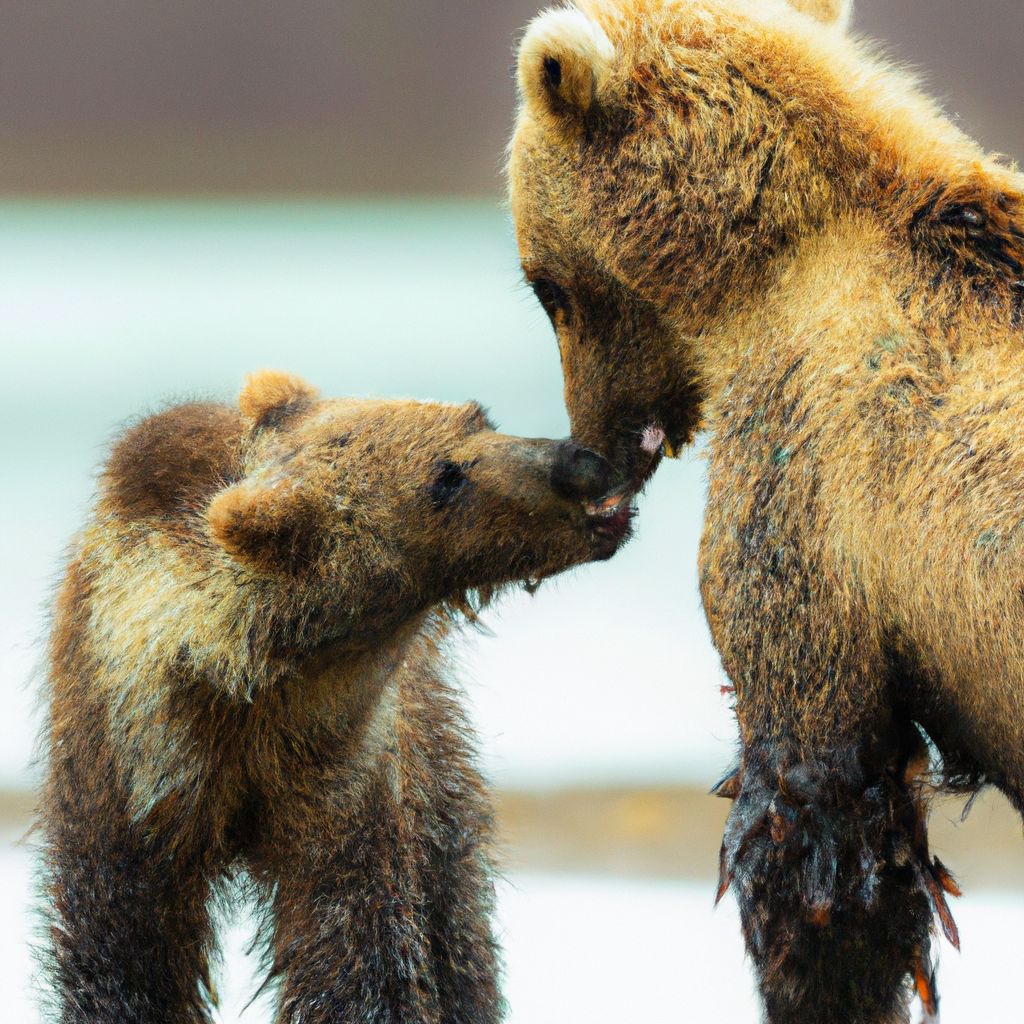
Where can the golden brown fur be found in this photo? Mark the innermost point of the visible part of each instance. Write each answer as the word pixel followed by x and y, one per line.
pixel 247 672
pixel 754 227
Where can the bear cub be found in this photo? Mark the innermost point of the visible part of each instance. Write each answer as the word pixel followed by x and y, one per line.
pixel 247 675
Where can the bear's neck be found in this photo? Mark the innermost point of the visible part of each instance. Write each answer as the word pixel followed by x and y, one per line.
pixel 840 291
pixel 356 681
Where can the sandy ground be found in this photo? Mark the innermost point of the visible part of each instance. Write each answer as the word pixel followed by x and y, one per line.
pixel 674 832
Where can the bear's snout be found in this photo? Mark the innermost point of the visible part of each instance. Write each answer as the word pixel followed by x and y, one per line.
pixel 579 474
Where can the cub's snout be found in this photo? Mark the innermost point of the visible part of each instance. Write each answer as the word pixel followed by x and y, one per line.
pixel 579 474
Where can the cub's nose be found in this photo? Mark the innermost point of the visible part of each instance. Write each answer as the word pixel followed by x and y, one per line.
pixel 580 474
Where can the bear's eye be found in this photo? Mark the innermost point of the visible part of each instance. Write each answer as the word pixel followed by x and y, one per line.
pixel 449 481
pixel 551 296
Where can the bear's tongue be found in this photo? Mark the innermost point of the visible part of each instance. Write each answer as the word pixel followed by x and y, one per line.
pixel 605 506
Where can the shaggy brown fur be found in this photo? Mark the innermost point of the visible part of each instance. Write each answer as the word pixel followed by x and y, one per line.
pixel 247 671
pixel 741 221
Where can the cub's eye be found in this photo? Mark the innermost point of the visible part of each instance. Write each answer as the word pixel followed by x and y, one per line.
pixel 448 483
pixel 551 296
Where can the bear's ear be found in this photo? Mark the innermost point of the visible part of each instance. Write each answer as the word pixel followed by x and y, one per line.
pixel 269 396
pixel 828 12
pixel 263 525
pixel 565 60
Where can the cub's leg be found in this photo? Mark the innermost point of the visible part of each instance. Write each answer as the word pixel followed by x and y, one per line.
pixel 129 937
pixel 825 846
pixel 350 918
pixel 456 821
pixel 460 900
pixel 382 885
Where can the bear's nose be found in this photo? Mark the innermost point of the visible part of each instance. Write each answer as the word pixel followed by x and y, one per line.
pixel 578 473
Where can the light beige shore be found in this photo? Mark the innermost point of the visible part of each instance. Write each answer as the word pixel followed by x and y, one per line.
pixel 674 832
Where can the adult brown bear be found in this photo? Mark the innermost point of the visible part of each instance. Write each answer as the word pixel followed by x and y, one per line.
pixel 741 221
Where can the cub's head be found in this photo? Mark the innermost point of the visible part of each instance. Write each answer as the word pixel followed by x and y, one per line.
pixel 372 511
pixel 665 152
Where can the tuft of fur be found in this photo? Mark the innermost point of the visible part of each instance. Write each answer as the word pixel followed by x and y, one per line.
pixel 248 672
pixel 272 393
pixel 767 232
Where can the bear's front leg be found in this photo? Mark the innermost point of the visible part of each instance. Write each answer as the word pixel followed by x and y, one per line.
pixel 382 902
pixel 455 818
pixel 376 856
pixel 826 844
pixel 358 937
pixel 830 866
pixel 130 935
pixel 350 922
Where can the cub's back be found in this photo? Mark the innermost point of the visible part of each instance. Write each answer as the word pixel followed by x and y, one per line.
pixel 173 462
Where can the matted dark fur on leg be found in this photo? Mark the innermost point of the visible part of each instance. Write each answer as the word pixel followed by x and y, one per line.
pixel 831 868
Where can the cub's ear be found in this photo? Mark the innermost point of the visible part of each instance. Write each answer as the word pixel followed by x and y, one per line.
pixel 262 524
pixel 828 12
pixel 269 396
pixel 565 60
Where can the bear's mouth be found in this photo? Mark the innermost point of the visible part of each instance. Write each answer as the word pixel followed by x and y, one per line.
pixel 610 521
pixel 638 452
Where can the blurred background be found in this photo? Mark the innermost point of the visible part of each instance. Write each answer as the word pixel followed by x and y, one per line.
pixel 190 191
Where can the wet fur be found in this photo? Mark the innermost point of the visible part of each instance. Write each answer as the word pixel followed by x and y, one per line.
pixel 758 229
pixel 247 674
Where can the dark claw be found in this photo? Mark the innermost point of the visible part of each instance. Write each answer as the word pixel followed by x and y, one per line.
pixel 945 879
pixel 727 787
pixel 934 885
pixel 924 982
pixel 725 875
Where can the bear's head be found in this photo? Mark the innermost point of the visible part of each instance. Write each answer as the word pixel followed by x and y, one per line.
pixel 666 154
pixel 368 512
